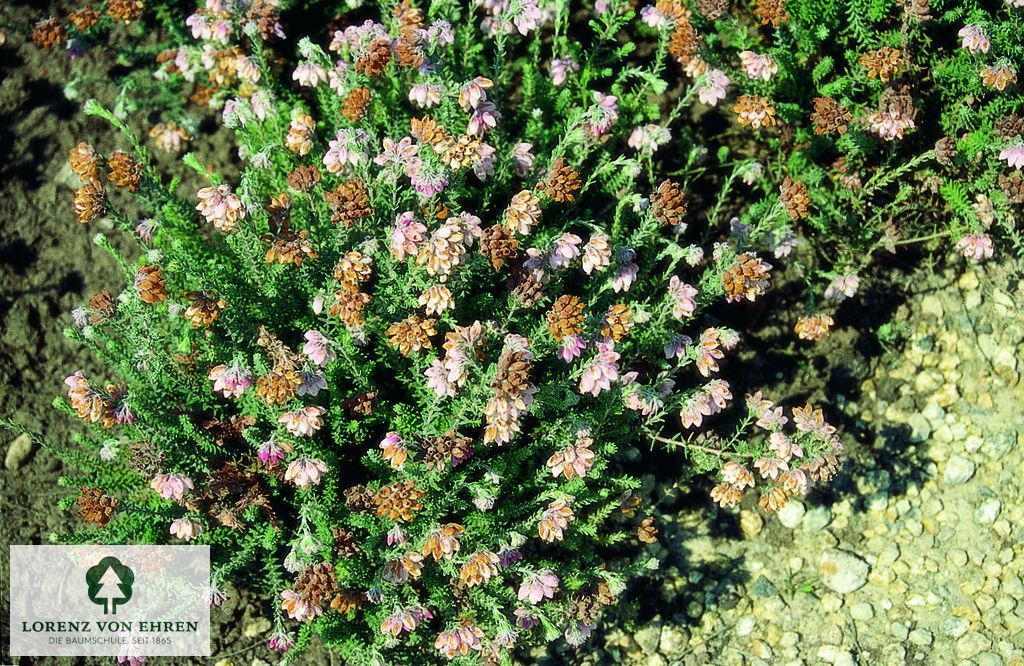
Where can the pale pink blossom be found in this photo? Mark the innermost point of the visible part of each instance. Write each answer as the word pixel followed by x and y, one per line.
pixel 298 608
pixel 597 253
pixel 305 471
pixel 231 381
pixel 407 236
pixel 572 348
pixel 345 150
pixel 270 452
pixel 784 447
pixel 220 206
pixel 318 348
pixel 309 74
pixel 425 95
pixel 1013 155
pixel 304 422
pixel 474 93
pixel 627 272
pixel 973 38
pixel 976 247
pixel 311 384
pixel 684 298
pixel 560 69
pixel 539 586
pixel 759 65
pixel 281 642
pixel 711 88
pixel 437 379
pixel 523 158
pixel 648 138
pixel 655 18
pixel 842 287
pixel 185 529
pixel 601 371
pixel 564 250
pixel 770 468
pixel 676 347
pixel 737 475
pixel 483 119
pixel 602 115
pixel 172 486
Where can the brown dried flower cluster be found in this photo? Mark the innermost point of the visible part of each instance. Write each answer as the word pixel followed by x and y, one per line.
pixel 771 12
pixel 150 283
pixel 303 177
pixel 440 450
pixel 125 10
pixel 748 277
pixel 668 204
pixel 84 162
pixel 288 247
pixel 795 199
pixel 398 501
pixel 49 33
pixel 376 58
pixel 497 244
pixel 204 308
pixel 562 183
pixel 356 103
pixel 124 171
pixel 618 321
pixel 349 201
pixel 883 63
pixel 813 327
pixel 84 18
pixel 353 270
pixel 95 506
pixel 90 201
pixel 829 116
pixel 755 111
pixel 411 334
pixel 566 317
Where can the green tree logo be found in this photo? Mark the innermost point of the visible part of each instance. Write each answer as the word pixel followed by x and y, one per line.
pixel 110 584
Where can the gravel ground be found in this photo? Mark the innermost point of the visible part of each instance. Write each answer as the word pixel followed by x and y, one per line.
pixel 919 559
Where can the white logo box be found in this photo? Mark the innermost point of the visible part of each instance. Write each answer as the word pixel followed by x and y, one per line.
pixel 94 600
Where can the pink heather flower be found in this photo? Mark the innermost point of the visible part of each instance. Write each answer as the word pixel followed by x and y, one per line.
pixel 305 471
pixel 309 74
pixel 483 119
pixel 317 304
pixel 395 535
pixel 145 228
pixel 344 150
pixel 526 17
pixel 758 65
pixel 628 270
pixel 601 116
pixel 262 102
pixel 474 93
pixel 654 18
pixel 484 164
pixel 526 618
pixel 172 486
pixel 770 468
pixel 648 138
pixel 676 347
pixel 298 608
pixel 523 158
pixel 402 154
pixel 784 447
pixel 602 370
pixel 400 621
pixel 439 34
pixel 973 38
pixel 684 298
pixel 564 250
pixel 560 69
pixel 304 422
pixel 428 184
pixel 185 529
pixel 231 381
pixel 737 475
pixel 281 642
pixel 459 641
pixel 539 586
pixel 437 379
pixel 407 236
pixel 425 95
pixel 312 383
pixel 842 287
pixel 711 89
pixel 247 69
pixel 597 253
pixel 572 348
pixel 270 452
pixel 783 244
pixel 220 207
pixel 200 27
pixel 1013 155
pixel 318 348
pixel 751 172
pixel 213 597
pixel 976 247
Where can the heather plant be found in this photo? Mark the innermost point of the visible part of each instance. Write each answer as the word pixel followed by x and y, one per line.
pixel 875 123
pixel 387 375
